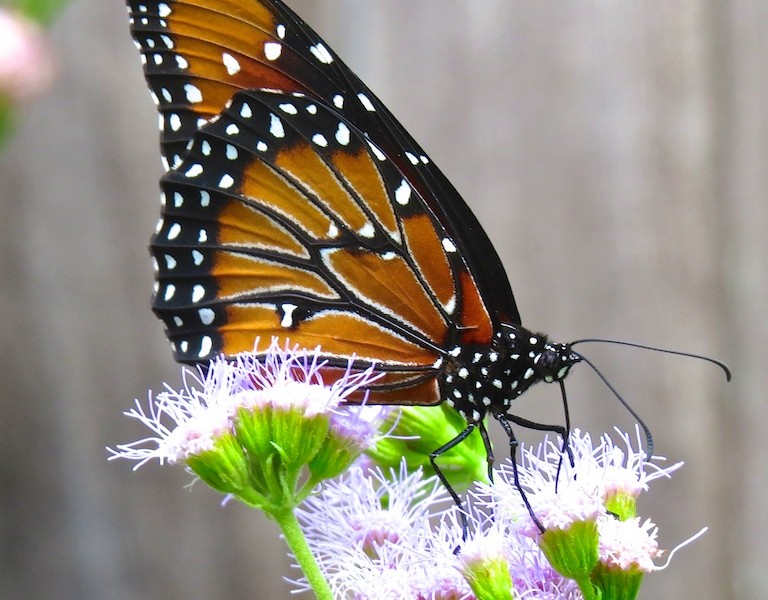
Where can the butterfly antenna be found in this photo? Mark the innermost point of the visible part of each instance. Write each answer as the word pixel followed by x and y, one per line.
pixel 646 430
pixel 714 361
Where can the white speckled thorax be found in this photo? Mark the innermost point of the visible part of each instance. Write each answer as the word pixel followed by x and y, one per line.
pixel 480 379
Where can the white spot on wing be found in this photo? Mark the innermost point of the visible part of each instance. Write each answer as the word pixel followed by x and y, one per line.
pixel 198 293
pixel 245 111
pixel 403 193
pixel 193 93
pixel 276 126
pixel 272 50
pixel 226 181
pixel 320 140
pixel 205 346
pixel 366 102
pixel 206 316
pixel 367 231
pixel 321 53
pixel 287 320
pixel 163 10
pixel 376 151
pixel 343 134
pixel 174 231
pixel 194 170
pixel 230 62
pixel 448 245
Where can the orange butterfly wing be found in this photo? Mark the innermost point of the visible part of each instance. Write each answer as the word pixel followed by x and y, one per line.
pixel 297 207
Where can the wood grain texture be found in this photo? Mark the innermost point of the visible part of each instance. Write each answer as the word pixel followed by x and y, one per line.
pixel 616 154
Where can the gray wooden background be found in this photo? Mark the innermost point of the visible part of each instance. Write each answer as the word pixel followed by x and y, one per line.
pixel 617 153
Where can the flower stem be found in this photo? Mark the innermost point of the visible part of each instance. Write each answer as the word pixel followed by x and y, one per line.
pixel 296 541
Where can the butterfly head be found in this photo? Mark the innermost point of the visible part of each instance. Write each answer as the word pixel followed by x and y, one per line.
pixel 554 362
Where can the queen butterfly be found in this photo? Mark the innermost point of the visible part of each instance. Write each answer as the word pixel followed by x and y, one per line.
pixel 296 206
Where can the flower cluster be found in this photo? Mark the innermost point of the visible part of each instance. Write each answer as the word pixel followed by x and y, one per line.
pixel 592 534
pixel 378 537
pixel 265 430
pixel 275 431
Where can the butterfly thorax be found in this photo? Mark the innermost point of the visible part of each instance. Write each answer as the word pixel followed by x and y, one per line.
pixel 477 379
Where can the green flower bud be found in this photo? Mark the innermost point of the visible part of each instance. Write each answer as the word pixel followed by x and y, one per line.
pixel 417 431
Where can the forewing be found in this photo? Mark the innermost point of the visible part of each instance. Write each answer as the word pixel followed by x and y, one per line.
pixel 198 53
pixel 285 220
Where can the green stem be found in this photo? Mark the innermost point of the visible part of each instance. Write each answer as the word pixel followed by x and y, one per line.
pixel 294 536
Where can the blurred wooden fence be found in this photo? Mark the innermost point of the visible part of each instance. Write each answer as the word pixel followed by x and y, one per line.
pixel 617 153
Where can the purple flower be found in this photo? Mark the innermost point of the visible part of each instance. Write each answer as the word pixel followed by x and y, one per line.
pixel 373 539
pixel 245 421
pixel 592 534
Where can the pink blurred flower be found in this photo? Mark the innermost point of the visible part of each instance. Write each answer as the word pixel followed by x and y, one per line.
pixel 26 64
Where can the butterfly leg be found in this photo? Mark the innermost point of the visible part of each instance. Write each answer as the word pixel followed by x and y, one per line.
pixel 513 444
pixel 445 448
pixel 563 431
pixel 488 448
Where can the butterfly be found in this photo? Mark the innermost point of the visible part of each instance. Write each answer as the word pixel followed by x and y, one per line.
pixel 297 207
